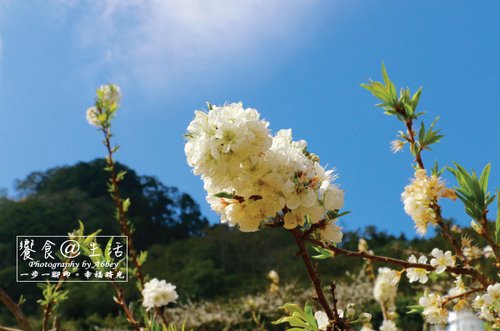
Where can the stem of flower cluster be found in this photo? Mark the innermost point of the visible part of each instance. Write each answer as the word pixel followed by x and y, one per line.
pixel 122 218
pixel 313 275
pixel 446 233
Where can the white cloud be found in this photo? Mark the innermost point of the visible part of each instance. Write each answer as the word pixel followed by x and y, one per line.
pixel 159 42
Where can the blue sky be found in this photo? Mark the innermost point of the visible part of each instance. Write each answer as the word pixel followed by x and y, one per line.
pixel 299 63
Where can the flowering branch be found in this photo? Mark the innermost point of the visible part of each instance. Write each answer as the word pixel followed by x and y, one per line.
pixel 405 264
pixel 255 180
pixel 417 150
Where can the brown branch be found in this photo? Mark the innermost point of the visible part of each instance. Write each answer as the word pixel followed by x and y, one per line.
pixel 446 233
pixel 462 270
pixel 120 300
pixel 461 295
pixel 340 323
pixel 313 275
pixel 122 218
pixel 4 328
pixel 411 137
pixel 15 310
pixel 485 232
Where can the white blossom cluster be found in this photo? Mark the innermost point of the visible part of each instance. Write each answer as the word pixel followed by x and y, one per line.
pixel 157 293
pixel 419 196
pixel 434 312
pixel 251 176
pixel 489 305
pixel 108 99
pixel 386 286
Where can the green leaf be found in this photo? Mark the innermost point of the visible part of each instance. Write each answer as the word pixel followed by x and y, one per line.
pixel 107 250
pixel 224 195
pixel 120 176
pixel 415 309
pixel 324 253
pixel 143 256
pixel 483 180
pixel 311 320
pixel 416 98
pixel 473 191
pixel 126 205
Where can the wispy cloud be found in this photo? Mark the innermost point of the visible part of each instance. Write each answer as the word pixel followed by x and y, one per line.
pixel 158 42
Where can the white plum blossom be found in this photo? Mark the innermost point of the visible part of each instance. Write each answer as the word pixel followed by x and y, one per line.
pixel 251 176
pixel 417 274
pixel 107 102
pixel 488 252
pixel 109 94
pixel 333 198
pixel 397 145
pixel 321 319
pixel 473 252
pixel 388 325
pixel 442 261
pixel 366 328
pixel 331 233
pixel 420 195
pixel 489 304
pixel 92 117
pixel 434 312
pixel 459 287
pixel 273 276
pixel 386 286
pixel 157 293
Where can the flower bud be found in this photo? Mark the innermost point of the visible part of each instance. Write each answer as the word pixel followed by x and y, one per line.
pixel 476 226
pixel 365 317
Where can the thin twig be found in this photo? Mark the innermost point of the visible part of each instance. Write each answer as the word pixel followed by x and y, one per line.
pixel 485 232
pixel 120 300
pixel 122 217
pixel 411 136
pixel 461 295
pixel 446 233
pixel 313 275
pixel 15 310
